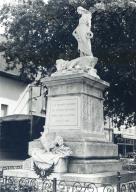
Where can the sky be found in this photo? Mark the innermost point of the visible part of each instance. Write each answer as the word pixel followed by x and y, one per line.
pixel 5 1
pixel 10 1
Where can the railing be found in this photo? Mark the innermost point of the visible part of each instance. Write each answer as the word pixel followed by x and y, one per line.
pixel 16 184
pixel 12 184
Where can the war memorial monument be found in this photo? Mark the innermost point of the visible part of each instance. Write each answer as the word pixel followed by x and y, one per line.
pixel 73 140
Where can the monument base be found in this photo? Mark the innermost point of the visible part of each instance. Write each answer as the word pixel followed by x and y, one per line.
pixel 98 178
pixel 94 166
pixel 60 167
pixel 87 149
pixel 89 157
pixel 82 166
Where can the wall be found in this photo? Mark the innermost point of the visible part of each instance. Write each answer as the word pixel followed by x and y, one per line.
pixel 129 133
pixel 108 129
pixel 21 98
pixel 108 134
pixel 37 102
pixel 31 101
pixel 22 104
pixel 10 91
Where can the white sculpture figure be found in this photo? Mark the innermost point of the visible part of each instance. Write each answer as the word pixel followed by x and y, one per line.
pixel 61 65
pixel 52 150
pixel 83 32
pixel 81 63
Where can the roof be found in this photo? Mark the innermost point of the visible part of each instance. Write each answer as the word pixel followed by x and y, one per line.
pixel 10 75
pixel 13 76
pixel 19 117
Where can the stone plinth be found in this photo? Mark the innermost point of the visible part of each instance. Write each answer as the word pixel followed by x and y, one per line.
pixel 75 112
pixel 86 166
pixel 75 106
pixel 86 149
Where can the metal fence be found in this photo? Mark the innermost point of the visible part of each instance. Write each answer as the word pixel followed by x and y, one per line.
pixel 16 184
pixel 21 184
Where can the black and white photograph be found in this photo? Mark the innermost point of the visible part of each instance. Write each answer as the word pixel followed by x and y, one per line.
pixel 67 95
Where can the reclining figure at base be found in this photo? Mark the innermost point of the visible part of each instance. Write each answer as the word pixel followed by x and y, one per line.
pixel 52 150
pixel 85 64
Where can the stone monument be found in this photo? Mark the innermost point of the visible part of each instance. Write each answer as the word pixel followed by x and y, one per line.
pixel 75 107
pixel 75 110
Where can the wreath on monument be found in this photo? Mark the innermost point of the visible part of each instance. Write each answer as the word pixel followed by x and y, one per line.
pixel 45 160
pixel 43 173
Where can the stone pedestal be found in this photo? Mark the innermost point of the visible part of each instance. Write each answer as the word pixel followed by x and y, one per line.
pixel 75 107
pixel 75 112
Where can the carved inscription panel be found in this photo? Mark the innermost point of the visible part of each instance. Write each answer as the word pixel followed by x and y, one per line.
pixel 93 114
pixel 63 112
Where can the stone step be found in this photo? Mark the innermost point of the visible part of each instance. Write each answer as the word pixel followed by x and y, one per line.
pixel 81 166
pixel 10 163
pixel 98 178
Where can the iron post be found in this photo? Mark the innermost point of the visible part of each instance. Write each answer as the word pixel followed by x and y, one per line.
pixel 118 181
pixel 54 185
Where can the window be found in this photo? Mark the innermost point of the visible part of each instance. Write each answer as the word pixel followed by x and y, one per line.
pixel 4 110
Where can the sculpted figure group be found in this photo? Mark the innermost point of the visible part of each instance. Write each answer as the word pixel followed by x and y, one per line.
pixel 81 63
pixel 83 34
pixel 52 149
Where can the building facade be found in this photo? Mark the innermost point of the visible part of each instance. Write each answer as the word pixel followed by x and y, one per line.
pixel 18 97
pixel 22 114
pixel 124 138
pixel 10 90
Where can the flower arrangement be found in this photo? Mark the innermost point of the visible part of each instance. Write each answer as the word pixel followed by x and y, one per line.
pixel 60 148
pixel 45 159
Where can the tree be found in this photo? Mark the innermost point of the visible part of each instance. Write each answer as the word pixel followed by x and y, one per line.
pixel 37 35
pixel 116 49
pixel 40 33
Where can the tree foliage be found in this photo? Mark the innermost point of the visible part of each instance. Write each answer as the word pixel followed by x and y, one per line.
pixel 38 34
